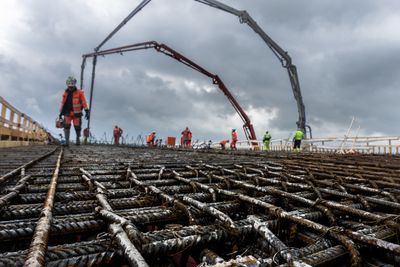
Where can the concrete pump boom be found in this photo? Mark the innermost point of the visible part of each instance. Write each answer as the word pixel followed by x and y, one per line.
pixel 247 127
pixel 281 54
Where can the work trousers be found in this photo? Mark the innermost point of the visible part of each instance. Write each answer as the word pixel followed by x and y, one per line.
pixel 297 144
pixel 116 139
pixel 266 145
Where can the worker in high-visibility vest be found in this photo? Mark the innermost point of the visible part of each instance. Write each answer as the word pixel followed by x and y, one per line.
pixel 86 134
pixel 186 137
pixel 234 139
pixel 117 134
pixel 266 140
pixel 189 139
pixel 298 136
pixel 223 143
pixel 150 139
pixel 72 103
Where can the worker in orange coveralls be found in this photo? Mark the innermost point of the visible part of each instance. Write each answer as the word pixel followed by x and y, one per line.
pixel 72 103
pixel 223 143
pixel 186 137
pixel 234 139
pixel 189 139
pixel 86 134
pixel 150 139
pixel 117 134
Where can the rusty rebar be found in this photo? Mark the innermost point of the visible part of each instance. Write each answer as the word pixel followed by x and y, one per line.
pixel 38 247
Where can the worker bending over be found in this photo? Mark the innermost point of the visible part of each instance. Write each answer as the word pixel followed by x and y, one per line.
pixel 150 139
pixel 266 140
pixel 234 139
pixel 117 134
pixel 223 143
pixel 72 102
pixel 298 136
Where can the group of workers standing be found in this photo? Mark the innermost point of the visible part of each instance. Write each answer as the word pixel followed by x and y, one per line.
pixel 73 102
pixel 186 139
pixel 298 136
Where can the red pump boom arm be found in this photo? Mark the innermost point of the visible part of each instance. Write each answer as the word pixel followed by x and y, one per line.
pixel 247 126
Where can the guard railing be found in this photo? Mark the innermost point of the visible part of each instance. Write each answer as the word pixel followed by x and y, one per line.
pixel 16 128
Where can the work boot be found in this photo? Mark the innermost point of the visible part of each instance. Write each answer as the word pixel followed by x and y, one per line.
pixel 66 135
pixel 78 135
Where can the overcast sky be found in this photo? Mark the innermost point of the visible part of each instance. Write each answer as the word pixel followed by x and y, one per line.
pixel 347 55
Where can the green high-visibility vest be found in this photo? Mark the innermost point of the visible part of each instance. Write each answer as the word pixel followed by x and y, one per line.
pixel 266 137
pixel 298 135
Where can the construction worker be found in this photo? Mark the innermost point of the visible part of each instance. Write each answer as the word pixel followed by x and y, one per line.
pixel 186 137
pixel 234 139
pixel 86 134
pixel 150 139
pixel 298 136
pixel 72 103
pixel 223 143
pixel 266 140
pixel 189 139
pixel 117 134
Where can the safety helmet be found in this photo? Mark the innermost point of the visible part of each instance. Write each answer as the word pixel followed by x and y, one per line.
pixel 71 79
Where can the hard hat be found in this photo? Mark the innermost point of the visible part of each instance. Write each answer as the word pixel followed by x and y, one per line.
pixel 70 79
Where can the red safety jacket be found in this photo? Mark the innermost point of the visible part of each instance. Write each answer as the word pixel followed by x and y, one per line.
pixel 234 137
pixel 86 132
pixel 150 138
pixel 117 131
pixel 78 101
pixel 223 142
pixel 189 135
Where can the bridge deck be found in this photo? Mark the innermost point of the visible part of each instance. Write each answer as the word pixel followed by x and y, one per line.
pixel 120 205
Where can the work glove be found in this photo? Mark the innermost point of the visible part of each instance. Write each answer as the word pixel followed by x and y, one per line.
pixel 87 114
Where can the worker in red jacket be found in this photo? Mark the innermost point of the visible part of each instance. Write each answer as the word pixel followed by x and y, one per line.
pixel 234 139
pixel 189 139
pixel 72 103
pixel 150 139
pixel 117 134
pixel 186 137
pixel 223 143
pixel 86 134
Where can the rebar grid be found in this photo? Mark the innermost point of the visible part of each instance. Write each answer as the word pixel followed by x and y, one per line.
pixel 188 208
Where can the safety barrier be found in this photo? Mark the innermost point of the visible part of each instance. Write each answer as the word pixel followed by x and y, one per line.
pixel 388 145
pixel 18 129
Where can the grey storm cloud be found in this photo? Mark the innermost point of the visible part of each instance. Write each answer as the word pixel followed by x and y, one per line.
pixel 346 53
